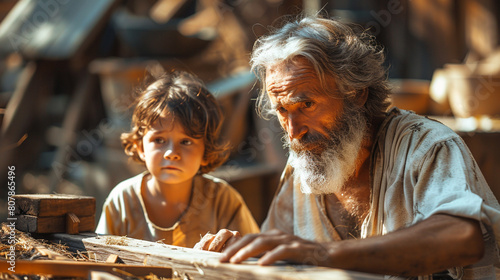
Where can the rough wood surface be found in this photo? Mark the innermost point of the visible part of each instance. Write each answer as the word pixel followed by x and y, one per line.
pixel 81 269
pixel 196 264
pixel 34 224
pixel 74 242
pixel 72 223
pixel 45 205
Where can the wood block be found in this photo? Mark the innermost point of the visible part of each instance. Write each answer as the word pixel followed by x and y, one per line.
pixel 100 275
pixel 72 223
pixel 113 259
pixel 34 224
pixel 46 205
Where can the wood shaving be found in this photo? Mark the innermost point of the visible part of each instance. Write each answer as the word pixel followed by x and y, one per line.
pixel 113 240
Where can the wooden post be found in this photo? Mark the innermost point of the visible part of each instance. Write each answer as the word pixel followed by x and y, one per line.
pixel 72 223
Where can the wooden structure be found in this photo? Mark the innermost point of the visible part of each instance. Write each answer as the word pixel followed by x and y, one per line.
pixel 51 36
pixel 49 213
pixel 185 263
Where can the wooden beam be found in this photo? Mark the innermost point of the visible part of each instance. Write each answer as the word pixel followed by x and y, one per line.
pixel 196 264
pixel 74 242
pixel 80 269
pixel 45 205
pixel 34 224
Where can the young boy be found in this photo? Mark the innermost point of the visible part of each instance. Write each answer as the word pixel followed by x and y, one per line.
pixel 175 133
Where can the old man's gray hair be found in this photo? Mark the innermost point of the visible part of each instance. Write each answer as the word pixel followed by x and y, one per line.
pixel 335 48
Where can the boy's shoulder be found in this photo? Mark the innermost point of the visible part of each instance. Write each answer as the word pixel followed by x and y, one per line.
pixel 211 178
pixel 128 187
pixel 211 185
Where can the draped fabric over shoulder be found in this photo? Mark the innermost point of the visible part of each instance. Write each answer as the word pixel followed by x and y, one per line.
pixel 419 167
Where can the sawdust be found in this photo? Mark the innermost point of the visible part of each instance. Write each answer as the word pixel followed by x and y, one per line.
pixel 113 240
pixel 26 246
pixel 26 249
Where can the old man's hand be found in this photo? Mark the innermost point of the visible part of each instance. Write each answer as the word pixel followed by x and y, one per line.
pixel 218 242
pixel 276 245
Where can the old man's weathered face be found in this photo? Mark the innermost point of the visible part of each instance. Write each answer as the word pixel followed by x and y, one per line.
pixel 323 131
pixel 304 109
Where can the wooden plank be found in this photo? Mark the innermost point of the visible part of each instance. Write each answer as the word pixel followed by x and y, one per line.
pixel 112 258
pixel 74 242
pixel 80 269
pixel 29 223
pixel 99 275
pixel 45 205
pixel 196 264
pixel 52 29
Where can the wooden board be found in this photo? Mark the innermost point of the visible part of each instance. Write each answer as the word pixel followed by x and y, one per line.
pixel 34 224
pixel 73 241
pixel 81 269
pixel 195 264
pixel 45 205
pixel 52 29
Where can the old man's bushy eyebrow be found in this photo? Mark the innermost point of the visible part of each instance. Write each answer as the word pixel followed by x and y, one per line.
pixel 290 101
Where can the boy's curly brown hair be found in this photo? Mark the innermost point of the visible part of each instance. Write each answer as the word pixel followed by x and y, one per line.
pixel 185 98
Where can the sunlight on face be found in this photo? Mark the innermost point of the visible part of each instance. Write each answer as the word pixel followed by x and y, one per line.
pixel 171 156
pixel 328 171
pixel 323 132
pixel 306 110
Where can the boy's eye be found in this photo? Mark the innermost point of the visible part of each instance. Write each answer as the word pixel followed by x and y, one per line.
pixel 159 140
pixel 186 142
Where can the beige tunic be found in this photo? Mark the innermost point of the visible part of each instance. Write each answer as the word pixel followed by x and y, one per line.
pixel 214 205
pixel 419 167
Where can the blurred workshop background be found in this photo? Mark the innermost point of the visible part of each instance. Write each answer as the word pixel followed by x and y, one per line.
pixel 68 69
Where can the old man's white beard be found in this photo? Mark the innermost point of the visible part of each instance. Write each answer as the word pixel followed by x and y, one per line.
pixel 328 172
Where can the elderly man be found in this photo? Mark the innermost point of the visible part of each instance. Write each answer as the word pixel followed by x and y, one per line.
pixel 364 188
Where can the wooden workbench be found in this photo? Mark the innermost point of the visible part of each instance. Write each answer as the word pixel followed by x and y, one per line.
pixel 188 263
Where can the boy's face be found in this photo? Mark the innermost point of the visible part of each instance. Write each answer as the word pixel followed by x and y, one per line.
pixel 171 156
